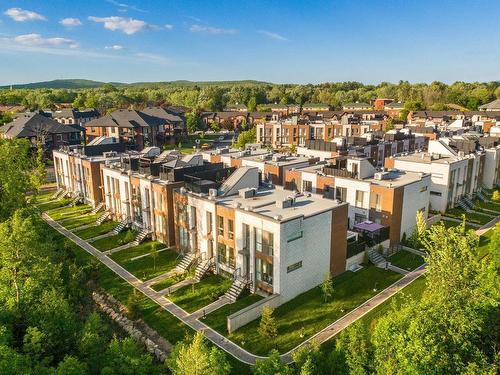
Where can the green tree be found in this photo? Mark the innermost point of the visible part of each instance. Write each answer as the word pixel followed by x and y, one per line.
pixel 356 348
pixel 192 122
pixel 16 172
pixel 327 287
pixel 419 232
pixel 245 137
pixel 271 365
pixel 92 340
pixel 71 366
pixel 495 197
pixel 154 253
pixel 195 357
pixel 450 329
pixel 252 104
pixel 267 326
pixel 126 358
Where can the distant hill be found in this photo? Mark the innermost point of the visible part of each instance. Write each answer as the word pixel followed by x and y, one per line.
pixel 88 84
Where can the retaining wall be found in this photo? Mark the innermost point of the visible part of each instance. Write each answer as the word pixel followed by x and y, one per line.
pixel 252 312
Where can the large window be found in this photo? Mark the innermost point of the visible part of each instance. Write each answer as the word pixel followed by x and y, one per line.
pixel 220 225
pixel 225 255
pixel 209 222
pixel 183 238
pixel 230 229
pixel 378 202
pixel 264 271
pixel 264 241
pixel 246 236
pixel 360 195
pixel 307 186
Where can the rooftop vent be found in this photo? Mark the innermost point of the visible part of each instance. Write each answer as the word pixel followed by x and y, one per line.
pixel 285 203
pixel 381 176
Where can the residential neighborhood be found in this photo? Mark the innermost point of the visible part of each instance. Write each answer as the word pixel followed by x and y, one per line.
pixel 173 215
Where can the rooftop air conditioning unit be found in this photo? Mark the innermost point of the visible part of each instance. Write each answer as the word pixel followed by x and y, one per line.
pixel 212 192
pixel 247 193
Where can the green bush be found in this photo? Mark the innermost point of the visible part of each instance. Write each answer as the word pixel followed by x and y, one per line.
pixel 129 237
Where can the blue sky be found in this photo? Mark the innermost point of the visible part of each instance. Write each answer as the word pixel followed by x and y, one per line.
pixel 277 41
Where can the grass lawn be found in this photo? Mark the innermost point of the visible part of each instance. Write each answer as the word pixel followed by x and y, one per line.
pixel 193 297
pixel 43 197
pixel 218 319
pixel 168 282
pixel 145 268
pixel 97 230
pixel 69 212
pixel 167 325
pixel 188 143
pixel 79 221
pixel 308 313
pixel 111 242
pixel 473 217
pixel 370 319
pixel 406 260
pixel 483 248
pixel 488 205
pixel 50 205
pixel 449 224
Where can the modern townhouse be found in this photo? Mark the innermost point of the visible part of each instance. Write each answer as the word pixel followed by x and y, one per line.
pixel 278 241
pixel 78 169
pixel 393 109
pixel 175 123
pixel 139 190
pixel 390 199
pixel 452 177
pixel 491 106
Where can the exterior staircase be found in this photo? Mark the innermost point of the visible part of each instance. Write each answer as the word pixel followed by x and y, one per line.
pixel 236 289
pixel 468 202
pixel 185 262
pixel 97 208
pixel 57 193
pixel 76 200
pixel 202 269
pixel 140 237
pixel 377 259
pixel 463 205
pixel 121 226
pixel 101 219
pixel 480 195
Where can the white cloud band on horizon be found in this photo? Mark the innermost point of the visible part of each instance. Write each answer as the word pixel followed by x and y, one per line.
pixel 272 35
pixel 128 26
pixel 70 22
pixel 195 28
pixel 21 15
pixel 37 40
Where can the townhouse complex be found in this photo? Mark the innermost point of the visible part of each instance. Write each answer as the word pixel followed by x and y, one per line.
pixel 307 199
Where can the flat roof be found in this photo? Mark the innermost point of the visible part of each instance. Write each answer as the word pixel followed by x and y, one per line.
pixel 398 178
pixel 287 160
pixel 426 158
pixel 264 204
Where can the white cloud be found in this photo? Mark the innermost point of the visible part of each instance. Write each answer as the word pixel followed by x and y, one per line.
pixel 21 15
pixel 38 40
pixel 70 22
pixel 272 35
pixel 114 47
pixel 169 26
pixel 122 7
pixel 128 26
pixel 211 30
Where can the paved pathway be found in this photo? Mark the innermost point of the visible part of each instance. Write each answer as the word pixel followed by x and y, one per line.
pixel 486 227
pixel 159 278
pixel 192 320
